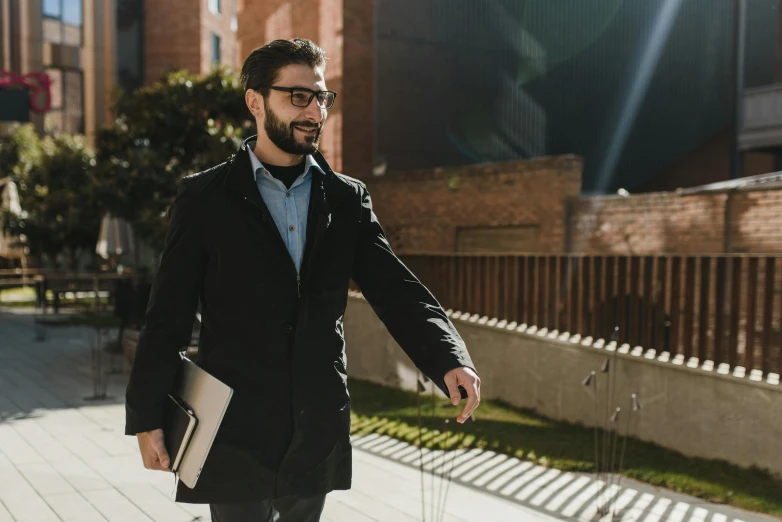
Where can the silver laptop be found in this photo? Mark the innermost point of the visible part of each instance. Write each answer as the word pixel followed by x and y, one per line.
pixel 208 398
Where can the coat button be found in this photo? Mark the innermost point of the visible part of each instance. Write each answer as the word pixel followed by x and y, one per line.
pixel 288 329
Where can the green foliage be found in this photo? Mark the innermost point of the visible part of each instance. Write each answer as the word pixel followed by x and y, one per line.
pixel 19 151
pixel 177 126
pixel 57 192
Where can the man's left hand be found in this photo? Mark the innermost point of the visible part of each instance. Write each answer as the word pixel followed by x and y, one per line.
pixel 467 378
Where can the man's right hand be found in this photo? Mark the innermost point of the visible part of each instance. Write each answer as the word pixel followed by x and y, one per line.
pixel 153 450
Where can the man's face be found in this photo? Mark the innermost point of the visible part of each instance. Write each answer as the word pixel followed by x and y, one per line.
pixel 295 130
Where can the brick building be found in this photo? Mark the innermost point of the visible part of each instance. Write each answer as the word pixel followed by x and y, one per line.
pixel 72 42
pixel 87 47
pixel 190 34
pixel 344 29
pixel 399 66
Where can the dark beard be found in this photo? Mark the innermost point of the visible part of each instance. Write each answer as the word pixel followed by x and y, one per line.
pixel 282 135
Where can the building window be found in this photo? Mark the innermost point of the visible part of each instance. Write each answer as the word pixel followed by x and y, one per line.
pixel 52 8
pixel 67 111
pixel 215 49
pixel 215 6
pixel 129 68
pixel 62 22
pixel 234 21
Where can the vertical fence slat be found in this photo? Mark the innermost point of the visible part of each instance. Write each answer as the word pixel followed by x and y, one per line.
pixel 633 336
pixel 646 303
pixel 469 290
pixel 564 294
pixel 517 289
pixel 689 305
pixel 506 287
pixel 719 312
pixel 768 314
pixel 532 314
pixel 597 278
pixel 735 301
pixel 752 294
pixel 486 286
pixel 703 310
pixel 461 264
pixel 543 297
pixel 556 291
pixel 586 299
pixel 660 301
pixel 676 296
pixel 609 302
pixel 574 308
pixel 621 298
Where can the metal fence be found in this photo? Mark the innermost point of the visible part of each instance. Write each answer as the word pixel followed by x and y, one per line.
pixel 726 309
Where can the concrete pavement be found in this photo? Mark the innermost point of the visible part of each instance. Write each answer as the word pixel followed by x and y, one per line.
pixel 65 458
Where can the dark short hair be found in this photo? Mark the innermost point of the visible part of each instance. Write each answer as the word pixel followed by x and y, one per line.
pixel 261 69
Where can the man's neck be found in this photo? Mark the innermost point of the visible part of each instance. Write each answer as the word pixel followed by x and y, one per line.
pixel 268 153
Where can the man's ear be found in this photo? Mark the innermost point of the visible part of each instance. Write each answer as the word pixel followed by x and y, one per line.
pixel 255 103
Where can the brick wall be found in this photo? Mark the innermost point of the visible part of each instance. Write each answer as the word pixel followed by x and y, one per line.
pixel 358 86
pixel 666 222
pixel 219 24
pixel 178 35
pixel 172 37
pixel 423 210
pixel 343 28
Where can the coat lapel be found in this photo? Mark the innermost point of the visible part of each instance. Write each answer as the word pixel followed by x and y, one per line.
pixel 241 182
pixel 328 191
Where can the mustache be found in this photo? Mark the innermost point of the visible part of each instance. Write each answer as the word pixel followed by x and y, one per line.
pixel 306 126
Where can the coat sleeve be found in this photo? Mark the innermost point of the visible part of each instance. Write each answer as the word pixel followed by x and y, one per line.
pixel 169 316
pixel 409 311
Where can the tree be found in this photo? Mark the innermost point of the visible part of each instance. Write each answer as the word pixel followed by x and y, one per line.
pixel 61 214
pixel 177 126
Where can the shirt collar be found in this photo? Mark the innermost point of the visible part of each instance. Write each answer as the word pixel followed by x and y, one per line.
pixel 309 162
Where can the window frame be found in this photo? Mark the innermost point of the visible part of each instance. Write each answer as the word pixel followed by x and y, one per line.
pixel 62 23
pixel 63 100
pixel 217 43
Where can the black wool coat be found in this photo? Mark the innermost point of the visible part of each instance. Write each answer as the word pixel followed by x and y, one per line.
pixel 275 337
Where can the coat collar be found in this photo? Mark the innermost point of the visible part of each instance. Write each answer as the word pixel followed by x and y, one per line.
pixel 331 188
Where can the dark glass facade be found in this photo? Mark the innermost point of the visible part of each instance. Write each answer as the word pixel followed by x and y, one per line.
pixel 630 85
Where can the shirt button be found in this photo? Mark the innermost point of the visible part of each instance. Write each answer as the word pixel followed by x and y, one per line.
pixel 287 194
pixel 288 329
pixel 292 228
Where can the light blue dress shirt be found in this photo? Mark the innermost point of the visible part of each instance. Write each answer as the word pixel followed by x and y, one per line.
pixel 288 207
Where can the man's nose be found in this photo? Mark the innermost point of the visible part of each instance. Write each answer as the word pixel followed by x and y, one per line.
pixel 314 112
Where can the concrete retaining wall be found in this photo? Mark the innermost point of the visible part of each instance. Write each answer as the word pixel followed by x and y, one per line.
pixel 688 407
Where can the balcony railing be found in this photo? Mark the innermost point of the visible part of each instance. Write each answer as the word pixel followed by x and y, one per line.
pixel 725 309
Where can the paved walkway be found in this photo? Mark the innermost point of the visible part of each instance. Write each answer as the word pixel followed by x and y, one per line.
pixel 65 458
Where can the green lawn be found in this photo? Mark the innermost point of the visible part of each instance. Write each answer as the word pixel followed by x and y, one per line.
pixel 569 447
pixel 25 298
pixel 13 294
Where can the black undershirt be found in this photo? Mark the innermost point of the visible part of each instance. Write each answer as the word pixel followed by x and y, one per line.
pixel 286 174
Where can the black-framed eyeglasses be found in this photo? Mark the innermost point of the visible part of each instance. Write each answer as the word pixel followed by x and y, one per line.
pixel 301 97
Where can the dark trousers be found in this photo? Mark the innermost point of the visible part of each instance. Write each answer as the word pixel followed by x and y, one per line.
pixel 287 509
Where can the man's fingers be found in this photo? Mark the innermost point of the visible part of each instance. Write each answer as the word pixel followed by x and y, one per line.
pixel 473 399
pixel 453 389
pixel 163 457
pixel 153 450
